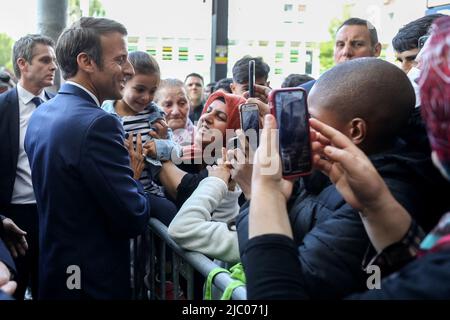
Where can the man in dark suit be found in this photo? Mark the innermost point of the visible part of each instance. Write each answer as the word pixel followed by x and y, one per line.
pixel 90 202
pixel 34 64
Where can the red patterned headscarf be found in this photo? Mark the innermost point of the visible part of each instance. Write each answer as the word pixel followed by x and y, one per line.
pixel 232 103
pixel 435 89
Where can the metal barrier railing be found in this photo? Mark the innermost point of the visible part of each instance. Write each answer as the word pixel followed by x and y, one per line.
pixel 183 263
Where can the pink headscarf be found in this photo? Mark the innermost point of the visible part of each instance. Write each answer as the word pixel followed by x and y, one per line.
pixel 435 89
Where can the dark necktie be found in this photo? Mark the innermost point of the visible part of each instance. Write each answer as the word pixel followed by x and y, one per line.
pixel 37 101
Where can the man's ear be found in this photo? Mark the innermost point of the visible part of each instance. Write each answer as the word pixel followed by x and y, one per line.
pixel 85 62
pixel 377 50
pixel 358 130
pixel 22 64
pixel 233 88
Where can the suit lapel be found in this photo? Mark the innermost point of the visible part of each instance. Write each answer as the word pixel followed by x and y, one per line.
pixel 14 127
pixel 48 95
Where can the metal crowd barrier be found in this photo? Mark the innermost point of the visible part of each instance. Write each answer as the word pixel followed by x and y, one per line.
pixel 152 248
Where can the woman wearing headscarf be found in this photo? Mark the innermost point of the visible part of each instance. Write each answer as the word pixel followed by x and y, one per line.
pixel 220 117
pixel 210 197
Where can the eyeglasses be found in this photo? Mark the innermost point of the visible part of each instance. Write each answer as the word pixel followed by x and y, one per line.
pixel 421 41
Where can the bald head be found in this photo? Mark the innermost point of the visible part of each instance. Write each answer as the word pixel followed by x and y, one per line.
pixel 370 89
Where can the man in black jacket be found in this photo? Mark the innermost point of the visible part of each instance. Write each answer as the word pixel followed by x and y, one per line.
pixel 369 100
pixel 34 65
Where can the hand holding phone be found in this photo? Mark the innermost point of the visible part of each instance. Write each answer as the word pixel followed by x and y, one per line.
pixel 249 114
pixel 291 112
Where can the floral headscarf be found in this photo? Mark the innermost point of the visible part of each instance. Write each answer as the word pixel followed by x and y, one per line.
pixel 435 89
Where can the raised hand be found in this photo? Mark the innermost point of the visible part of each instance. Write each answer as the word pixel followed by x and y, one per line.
pixel 137 155
pixel 222 170
pixel 160 131
pixel 6 284
pixel 242 164
pixel 14 238
pixel 261 93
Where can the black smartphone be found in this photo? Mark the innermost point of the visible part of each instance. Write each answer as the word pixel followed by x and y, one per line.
pixel 251 78
pixel 249 114
pixel 289 107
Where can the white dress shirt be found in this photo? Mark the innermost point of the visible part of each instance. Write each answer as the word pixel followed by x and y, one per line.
pixel 23 189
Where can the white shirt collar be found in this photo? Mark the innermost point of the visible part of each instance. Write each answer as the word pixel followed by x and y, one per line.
pixel 26 96
pixel 87 91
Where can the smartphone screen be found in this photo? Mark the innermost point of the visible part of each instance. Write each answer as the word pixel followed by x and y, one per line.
pixel 290 110
pixel 249 113
pixel 251 78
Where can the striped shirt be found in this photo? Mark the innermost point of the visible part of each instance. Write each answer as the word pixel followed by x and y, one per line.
pixel 141 123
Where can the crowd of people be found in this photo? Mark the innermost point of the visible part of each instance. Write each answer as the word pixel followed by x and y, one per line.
pixel 82 171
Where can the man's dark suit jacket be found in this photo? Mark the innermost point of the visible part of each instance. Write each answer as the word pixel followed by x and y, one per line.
pixel 9 148
pixel 89 205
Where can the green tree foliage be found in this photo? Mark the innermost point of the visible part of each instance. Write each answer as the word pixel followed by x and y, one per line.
pixel 95 9
pixel 6 44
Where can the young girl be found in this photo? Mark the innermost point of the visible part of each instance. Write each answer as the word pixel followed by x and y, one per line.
pixel 141 116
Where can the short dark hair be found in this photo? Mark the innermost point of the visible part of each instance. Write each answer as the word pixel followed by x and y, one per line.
pixel 371 89
pixel 5 78
pixel 294 80
pixel 362 22
pixel 224 84
pixel 143 63
pixel 196 75
pixel 407 37
pixel 240 69
pixel 84 36
pixel 23 48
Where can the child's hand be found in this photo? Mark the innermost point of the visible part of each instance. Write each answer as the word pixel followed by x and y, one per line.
pixel 160 130
pixel 150 147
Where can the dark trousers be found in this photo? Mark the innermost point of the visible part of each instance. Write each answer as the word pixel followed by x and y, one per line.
pixel 25 216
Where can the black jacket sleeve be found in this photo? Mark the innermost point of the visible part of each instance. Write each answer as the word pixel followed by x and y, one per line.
pixel 272 268
pixel 329 256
